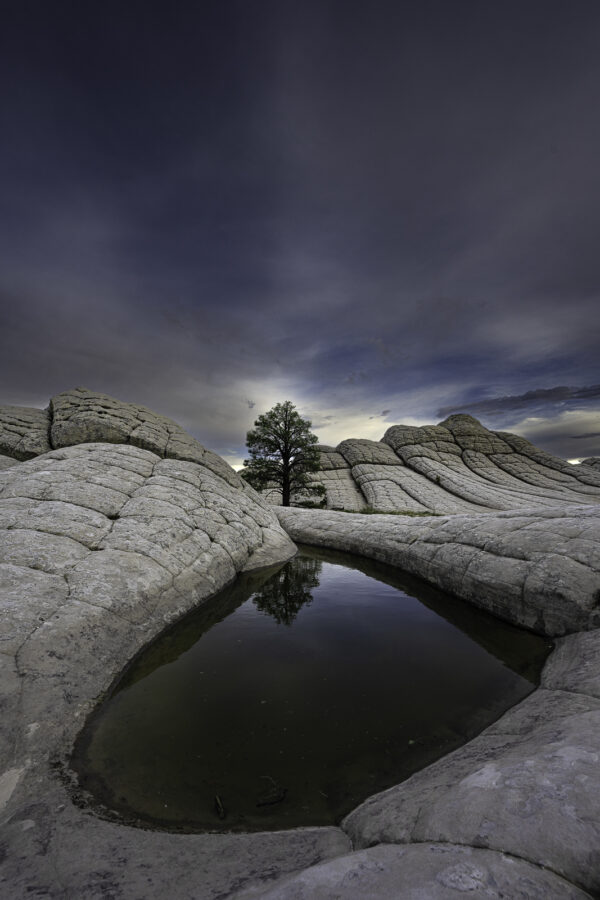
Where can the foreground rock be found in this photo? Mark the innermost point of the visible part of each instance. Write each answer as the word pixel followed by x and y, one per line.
pixel 113 522
pixel 427 870
pixel 529 785
pixel 101 545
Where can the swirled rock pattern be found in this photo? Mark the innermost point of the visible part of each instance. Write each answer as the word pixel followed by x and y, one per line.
pixel 457 466
pixel 114 521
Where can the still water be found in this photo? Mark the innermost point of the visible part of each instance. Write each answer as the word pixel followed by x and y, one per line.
pixel 295 694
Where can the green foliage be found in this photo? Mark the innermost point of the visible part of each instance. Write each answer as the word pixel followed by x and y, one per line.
pixel 282 453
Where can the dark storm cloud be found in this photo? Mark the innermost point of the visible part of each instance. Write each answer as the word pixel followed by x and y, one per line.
pixel 530 402
pixel 354 206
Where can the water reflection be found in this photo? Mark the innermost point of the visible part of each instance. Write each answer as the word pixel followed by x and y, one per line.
pixel 230 721
pixel 284 595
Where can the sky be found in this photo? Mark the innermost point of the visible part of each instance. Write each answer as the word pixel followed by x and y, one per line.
pixel 385 212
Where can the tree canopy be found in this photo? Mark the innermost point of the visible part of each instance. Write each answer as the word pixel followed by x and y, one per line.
pixel 282 453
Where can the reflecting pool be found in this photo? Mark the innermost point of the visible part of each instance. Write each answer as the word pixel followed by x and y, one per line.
pixel 295 694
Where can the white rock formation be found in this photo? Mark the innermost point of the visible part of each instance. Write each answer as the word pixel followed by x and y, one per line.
pixel 457 466
pixel 114 521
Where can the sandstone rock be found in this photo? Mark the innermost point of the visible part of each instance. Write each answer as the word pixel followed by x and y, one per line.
pixel 374 453
pixel 101 545
pixel 81 416
pixel 528 785
pixel 575 665
pixel 330 458
pixel 528 567
pixel 425 871
pixel 457 466
pixel 104 542
pixel 23 431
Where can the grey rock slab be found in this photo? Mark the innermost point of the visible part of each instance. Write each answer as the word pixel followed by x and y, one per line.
pixel 592 461
pixel 529 785
pixel 62 665
pixel 384 490
pixel 171 543
pixel 6 462
pixel 565 592
pixel 24 431
pixel 470 434
pixel 80 416
pixel 10 698
pixel 486 559
pixel 86 526
pixel 276 547
pixel 28 598
pixel 427 871
pixel 330 458
pixel 528 450
pixel 357 451
pixel 124 582
pixel 454 467
pixel 38 550
pixel 575 664
pixel 50 477
pixel 107 578
pixel 342 492
pixel 71 854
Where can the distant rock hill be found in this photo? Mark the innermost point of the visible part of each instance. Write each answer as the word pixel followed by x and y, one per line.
pixel 458 466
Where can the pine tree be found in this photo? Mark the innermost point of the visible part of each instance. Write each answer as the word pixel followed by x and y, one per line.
pixel 282 453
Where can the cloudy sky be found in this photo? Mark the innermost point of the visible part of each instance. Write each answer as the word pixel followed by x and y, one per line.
pixel 383 211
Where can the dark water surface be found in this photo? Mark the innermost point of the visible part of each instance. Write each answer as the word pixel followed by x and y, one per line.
pixel 296 693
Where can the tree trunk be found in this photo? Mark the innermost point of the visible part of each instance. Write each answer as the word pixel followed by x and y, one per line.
pixel 285 492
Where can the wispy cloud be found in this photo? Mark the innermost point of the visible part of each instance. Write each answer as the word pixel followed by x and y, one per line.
pixel 543 398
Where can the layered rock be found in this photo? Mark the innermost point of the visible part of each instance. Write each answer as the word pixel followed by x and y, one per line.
pixel 457 466
pixel 114 521
pixel 81 416
pixel 101 545
pixel 24 432
pixel 539 568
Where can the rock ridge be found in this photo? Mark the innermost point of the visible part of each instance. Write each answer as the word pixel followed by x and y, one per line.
pixel 457 466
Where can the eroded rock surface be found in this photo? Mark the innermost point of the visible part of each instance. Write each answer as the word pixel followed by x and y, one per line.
pixel 428 871
pixel 593 461
pixel 101 545
pixel 118 521
pixel 458 466
pixel 81 416
pixel 539 568
pixel 24 432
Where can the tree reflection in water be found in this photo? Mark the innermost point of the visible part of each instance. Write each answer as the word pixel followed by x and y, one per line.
pixel 284 595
